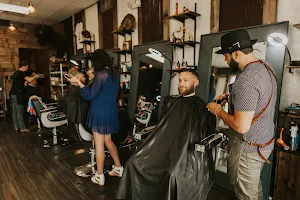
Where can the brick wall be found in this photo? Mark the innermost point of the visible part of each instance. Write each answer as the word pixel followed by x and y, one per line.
pixel 9 49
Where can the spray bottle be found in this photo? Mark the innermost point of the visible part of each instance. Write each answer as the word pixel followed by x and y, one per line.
pixel 294 143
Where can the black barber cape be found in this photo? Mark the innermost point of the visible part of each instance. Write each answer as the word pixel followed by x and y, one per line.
pixel 75 106
pixel 166 166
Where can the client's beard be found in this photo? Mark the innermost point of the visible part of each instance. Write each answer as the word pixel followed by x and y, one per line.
pixel 186 91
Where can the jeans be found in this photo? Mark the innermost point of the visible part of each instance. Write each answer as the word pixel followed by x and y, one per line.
pixel 17 113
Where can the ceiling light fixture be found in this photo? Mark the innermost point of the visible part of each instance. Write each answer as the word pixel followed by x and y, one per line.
pixel 11 28
pixel 31 9
pixel 14 8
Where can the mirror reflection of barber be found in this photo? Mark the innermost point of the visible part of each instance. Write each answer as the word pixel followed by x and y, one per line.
pixel 253 94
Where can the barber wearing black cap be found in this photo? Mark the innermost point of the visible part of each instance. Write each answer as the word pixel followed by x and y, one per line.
pixel 252 102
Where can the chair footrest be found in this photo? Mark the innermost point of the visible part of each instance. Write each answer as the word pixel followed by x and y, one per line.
pixel 51 143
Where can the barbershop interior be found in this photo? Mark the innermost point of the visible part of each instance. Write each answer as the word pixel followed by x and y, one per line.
pixel 149 99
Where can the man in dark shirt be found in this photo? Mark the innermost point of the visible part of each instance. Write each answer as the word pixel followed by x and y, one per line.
pixel 17 95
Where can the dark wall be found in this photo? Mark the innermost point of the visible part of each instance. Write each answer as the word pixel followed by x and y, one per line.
pixel 107 28
pixel 240 13
pixel 152 24
pixel 69 35
pixel 65 40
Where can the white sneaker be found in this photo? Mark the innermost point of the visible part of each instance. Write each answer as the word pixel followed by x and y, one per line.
pixel 98 179
pixel 116 171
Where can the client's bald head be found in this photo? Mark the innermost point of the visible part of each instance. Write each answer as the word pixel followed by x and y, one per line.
pixel 188 81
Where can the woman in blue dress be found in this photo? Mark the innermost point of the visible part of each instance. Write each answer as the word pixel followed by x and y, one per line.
pixel 103 112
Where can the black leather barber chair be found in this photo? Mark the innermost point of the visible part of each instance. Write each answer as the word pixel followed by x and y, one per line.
pixel 50 118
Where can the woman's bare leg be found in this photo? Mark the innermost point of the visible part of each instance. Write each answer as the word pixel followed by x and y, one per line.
pixel 112 149
pixel 100 154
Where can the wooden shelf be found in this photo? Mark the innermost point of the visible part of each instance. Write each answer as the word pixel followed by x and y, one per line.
pixel 58 64
pixel 122 32
pixel 297 26
pixel 59 85
pixel 184 69
pixel 126 73
pixel 185 15
pixel 182 44
pixel 89 42
pixel 57 73
pixel 123 52
pixel 291 116
pixel 293 67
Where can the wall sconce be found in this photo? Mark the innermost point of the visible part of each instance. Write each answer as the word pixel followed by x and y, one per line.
pixel 12 28
pixel 31 9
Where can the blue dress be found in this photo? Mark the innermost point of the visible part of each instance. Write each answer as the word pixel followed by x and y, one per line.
pixel 103 112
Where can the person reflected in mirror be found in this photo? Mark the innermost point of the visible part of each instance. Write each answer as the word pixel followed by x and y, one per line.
pixel 252 102
pixel 103 112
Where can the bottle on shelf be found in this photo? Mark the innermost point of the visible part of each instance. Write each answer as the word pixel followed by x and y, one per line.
pixel 294 143
pixel 176 11
pixel 178 64
pixel 65 58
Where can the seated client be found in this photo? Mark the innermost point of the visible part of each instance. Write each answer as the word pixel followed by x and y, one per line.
pixel 75 107
pixel 166 166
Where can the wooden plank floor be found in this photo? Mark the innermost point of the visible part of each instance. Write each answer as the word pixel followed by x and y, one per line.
pixel 31 172
pixel 28 171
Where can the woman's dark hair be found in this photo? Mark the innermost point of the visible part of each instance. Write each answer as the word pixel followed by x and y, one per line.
pixel 102 61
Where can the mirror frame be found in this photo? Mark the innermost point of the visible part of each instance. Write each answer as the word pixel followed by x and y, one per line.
pixel 274 55
pixel 163 47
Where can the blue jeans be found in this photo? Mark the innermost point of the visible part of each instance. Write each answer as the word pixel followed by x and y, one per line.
pixel 17 113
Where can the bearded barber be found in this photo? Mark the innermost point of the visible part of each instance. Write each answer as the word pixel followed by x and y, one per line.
pixel 252 102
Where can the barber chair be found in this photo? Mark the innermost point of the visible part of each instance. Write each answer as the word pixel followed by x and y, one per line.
pixel 88 169
pixel 212 142
pixel 49 117
pixel 143 117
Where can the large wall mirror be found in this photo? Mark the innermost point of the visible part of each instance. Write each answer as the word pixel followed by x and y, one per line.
pixel 215 77
pixel 150 80
pixel 149 85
